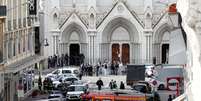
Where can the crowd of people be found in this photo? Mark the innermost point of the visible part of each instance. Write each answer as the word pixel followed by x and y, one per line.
pixel 112 84
pixel 65 60
pixel 106 68
pixel 86 69
pixel 58 61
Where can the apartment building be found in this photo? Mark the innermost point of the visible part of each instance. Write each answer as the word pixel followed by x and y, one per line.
pixel 19 43
pixel 2 68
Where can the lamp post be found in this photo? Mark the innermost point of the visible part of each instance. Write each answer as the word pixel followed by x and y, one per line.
pixel 43 43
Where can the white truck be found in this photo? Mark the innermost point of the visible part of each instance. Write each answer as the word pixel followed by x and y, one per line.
pixel 166 72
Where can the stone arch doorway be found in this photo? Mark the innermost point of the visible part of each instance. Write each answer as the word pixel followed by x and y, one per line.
pixel 74 54
pixel 74 43
pixel 161 44
pixel 120 40
pixel 165 47
pixel 121 31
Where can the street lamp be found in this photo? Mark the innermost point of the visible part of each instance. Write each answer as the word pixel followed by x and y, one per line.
pixel 44 43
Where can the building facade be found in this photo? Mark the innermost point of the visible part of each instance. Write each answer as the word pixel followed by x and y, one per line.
pixel 113 30
pixel 19 49
pixel 2 67
pixel 1 59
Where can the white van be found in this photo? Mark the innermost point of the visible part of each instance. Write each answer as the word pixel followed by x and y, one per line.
pixel 167 71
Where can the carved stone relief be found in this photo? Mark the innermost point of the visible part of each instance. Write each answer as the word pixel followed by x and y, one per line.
pixel 84 18
pixel 100 17
pixel 120 8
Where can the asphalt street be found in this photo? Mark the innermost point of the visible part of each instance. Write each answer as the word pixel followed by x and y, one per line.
pixel 106 79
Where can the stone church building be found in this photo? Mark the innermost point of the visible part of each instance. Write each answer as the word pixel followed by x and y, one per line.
pixel 131 31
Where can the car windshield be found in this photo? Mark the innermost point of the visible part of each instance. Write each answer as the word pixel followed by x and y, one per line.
pixel 56 92
pixel 76 88
pixel 66 71
pixel 75 71
pixel 51 97
pixel 56 72
pixel 140 88
pixel 70 79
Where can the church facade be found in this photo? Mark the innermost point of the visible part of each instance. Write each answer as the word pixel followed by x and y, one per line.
pixel 130 31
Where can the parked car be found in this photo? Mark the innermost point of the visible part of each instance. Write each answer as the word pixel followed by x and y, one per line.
pixel 155 82
pixel 144 87
pixel 66 80
pixel 141 87
pixel 74 92
pixel 56 97
pixel 65 70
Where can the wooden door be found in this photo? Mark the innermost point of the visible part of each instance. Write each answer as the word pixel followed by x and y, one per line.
pixel 115 52
pixel 125 54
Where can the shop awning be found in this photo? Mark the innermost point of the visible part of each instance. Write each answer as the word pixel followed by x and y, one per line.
pixel 22 64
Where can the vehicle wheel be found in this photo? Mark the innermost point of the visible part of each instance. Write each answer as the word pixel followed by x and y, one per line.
pixel 161 87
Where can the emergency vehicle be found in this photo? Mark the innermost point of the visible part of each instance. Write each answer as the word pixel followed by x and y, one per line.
pixel 115 95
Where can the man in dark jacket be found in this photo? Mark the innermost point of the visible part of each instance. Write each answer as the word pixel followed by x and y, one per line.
pixel 122 85
pixel 40 83
pixel 111 84
pixel 99 83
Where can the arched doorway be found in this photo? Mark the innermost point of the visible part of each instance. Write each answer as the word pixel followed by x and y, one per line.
pixel 165 53
pixel 74 43
pixel 120 31
pixel 165 44
pixel 74 54
pixel 162 44
pixel 120 47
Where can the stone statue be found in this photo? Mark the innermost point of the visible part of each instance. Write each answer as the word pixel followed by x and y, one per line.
pixel 41 5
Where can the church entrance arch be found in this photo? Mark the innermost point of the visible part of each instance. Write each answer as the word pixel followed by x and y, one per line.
pixel 120 41
pixel 73 42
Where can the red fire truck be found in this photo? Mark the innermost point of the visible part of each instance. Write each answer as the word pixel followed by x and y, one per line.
pixel 123 95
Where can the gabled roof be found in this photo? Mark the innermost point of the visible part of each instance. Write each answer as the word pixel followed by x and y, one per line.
pixel 71 16
pixel 131 12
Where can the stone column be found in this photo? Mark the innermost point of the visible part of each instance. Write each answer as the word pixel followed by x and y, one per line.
pixel 135 49
pixel 66 48
pixel 148 35
pixel 120 50
pixel 32 42
pixel 42 31
pixel 55 41
pixel 57 45
pixel 92 35
pixel 156 52
pixel 84 50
